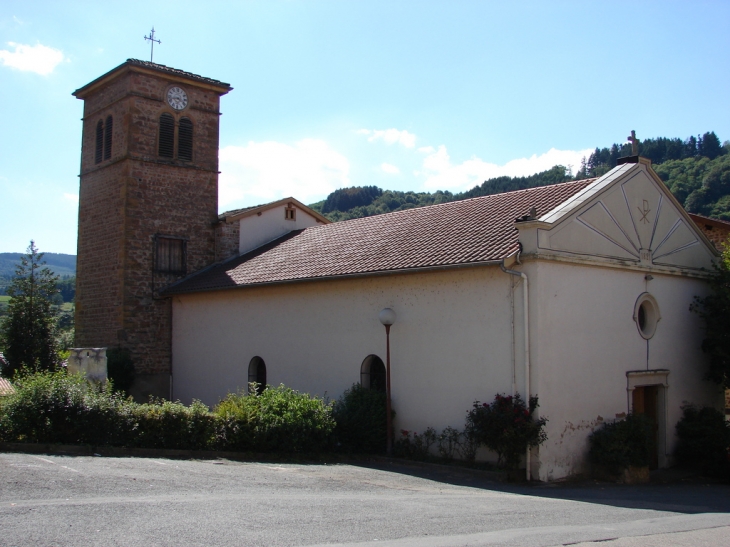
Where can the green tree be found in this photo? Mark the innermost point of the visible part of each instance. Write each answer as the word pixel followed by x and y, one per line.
pixel 715 312
pixel 28 332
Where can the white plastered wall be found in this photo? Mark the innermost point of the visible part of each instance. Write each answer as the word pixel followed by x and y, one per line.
pixel 451 343
pixel 584 340
pixel 257 230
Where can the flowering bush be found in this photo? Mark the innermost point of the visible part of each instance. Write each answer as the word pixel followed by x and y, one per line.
pixel 413 446
pixel 507 426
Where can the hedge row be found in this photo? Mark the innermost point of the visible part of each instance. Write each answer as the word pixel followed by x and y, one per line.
pixel 62 408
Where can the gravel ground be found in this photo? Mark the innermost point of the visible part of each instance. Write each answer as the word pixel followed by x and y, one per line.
pixel 51 500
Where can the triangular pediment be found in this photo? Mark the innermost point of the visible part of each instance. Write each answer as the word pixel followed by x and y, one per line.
pixel 629 216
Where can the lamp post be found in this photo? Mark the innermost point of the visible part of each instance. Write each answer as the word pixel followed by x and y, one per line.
pixel 387 318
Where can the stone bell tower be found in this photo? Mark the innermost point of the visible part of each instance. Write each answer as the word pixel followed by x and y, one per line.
pixel 148 203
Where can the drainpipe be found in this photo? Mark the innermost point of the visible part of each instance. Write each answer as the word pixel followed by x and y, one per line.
pixel 526 318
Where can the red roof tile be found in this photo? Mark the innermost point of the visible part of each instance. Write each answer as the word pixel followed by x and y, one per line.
pixel 456 233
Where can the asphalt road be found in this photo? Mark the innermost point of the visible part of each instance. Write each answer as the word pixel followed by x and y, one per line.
pixel 93 501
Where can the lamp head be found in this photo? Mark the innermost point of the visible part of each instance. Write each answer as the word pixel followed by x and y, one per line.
pixel 387 316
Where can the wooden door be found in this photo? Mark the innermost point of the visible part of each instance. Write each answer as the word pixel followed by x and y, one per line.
pixel 646 401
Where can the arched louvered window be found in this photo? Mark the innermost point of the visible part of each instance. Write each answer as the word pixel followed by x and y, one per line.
pixel 185 140
pixel 109 125
pixel 166 145
pixel 99 141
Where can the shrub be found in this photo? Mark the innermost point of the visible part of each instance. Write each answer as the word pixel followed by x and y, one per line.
pixel 507 427
pixel 623 443
pixel 360 415
pixel 704 441
pixel 56 407
pixel 166 424
pixel 413 446
pixel 278 418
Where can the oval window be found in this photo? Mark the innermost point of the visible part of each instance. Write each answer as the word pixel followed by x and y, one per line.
pixel 646 315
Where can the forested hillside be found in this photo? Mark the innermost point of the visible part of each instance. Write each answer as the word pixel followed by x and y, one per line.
pixel 696 170
pixel 62 265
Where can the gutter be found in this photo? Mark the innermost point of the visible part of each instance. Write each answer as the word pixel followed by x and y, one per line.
pixel 526 320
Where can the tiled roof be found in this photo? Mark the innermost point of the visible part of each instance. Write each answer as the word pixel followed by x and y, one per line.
pixel 153 66
pixel 457 233
pixel 176 72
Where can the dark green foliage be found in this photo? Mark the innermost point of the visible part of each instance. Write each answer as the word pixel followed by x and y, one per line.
pixel 277 419
pixel 704 441
pixel 54 407
pixel 120 368
pixel 682 177
pixel 508 184
pixel 415 446
pixel 349 198
pixel 361 420
pixel 27 333
pixel 715 312
pixel 623 443
pixel 67 288
pixel 387 202
pixel 166 424
pixel 507 426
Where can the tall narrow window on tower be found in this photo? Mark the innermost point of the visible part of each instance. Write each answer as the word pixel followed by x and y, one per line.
pixel 170 255
pixel 99 141
pixel 185 140
pixel 108 126
pixel 166 144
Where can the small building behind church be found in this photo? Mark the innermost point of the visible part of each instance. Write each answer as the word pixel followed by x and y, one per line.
pixel 578 293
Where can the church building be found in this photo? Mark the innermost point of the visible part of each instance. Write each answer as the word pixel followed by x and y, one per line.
pixel 577 292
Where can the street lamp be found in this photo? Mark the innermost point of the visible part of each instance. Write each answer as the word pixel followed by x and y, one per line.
pixel 387 318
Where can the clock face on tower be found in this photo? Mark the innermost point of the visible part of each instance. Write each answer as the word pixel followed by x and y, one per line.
pixel 177 98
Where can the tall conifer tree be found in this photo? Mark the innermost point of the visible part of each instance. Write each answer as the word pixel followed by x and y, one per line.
pixel 29 328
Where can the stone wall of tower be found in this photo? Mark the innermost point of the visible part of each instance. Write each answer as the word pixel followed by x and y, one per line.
pixel 128 200
pixel 100 254
pixel 171 201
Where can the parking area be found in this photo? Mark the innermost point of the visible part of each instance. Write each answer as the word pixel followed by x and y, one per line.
pixel 51 500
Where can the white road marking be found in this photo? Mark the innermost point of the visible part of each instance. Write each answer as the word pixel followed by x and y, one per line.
pixel 54 463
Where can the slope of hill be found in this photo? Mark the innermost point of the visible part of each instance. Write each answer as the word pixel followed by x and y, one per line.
pixel 696 170
pixel 60 264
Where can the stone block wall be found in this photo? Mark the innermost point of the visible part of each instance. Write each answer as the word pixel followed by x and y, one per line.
pixel 227 240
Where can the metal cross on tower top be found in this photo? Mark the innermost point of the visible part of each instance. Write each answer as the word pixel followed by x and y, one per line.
pixel 634 143
pixel 152 40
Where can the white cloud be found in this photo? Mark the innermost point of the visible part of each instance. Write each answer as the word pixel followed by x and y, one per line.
pixel 71 197
pixel 266 171
pixel 390 168
pixel 390 136
pixel 441 174
pixel 39 58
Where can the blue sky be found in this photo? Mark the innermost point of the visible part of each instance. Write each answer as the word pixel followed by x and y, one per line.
pixel 403 95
